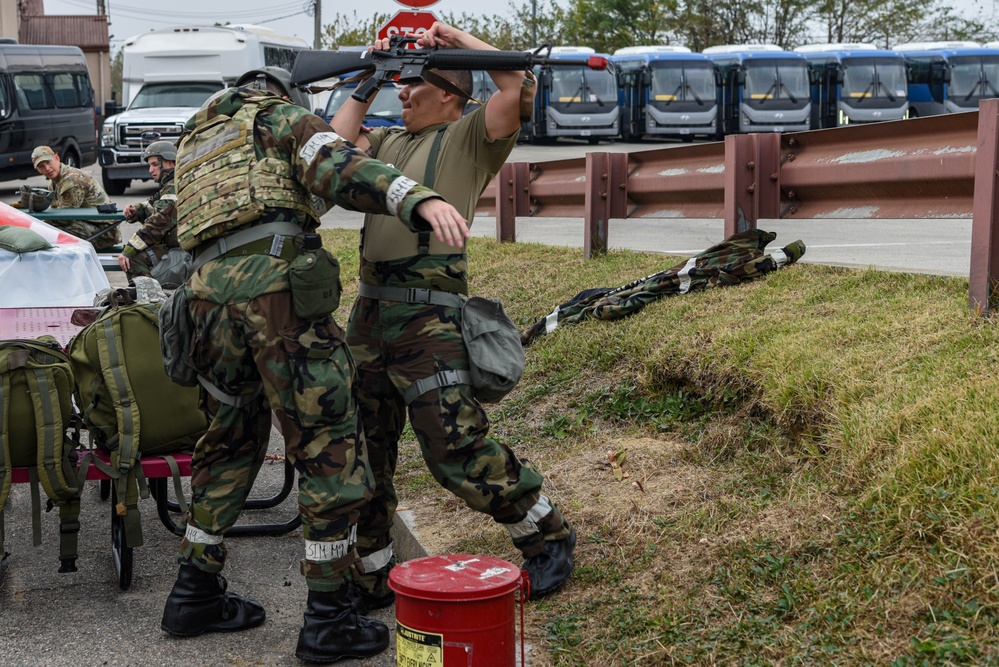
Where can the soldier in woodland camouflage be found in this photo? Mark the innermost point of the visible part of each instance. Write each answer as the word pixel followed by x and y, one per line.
pixel 158 215
pixel 75 188
pixel 405 330
pixel 256 172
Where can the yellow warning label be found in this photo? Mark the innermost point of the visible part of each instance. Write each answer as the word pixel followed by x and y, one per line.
pixel 415 648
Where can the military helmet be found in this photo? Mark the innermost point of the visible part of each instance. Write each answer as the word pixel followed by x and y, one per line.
pixel 255 78
pixel 165 150
pixel 36 199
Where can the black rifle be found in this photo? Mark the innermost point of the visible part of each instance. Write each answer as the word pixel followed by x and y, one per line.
pixel 406 65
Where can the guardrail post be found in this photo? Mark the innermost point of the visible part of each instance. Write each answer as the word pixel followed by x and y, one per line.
pixel 506 205
pixel 752 180
pixel 984 221
pixel 606 197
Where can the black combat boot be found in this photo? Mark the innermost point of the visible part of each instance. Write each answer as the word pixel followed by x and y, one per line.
pixel 334 630
pixel 198 603
pixel 552 567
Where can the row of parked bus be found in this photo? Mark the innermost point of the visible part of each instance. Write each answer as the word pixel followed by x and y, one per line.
pixel 668 91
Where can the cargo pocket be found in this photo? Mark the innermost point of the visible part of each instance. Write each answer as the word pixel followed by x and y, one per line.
pixel 320 376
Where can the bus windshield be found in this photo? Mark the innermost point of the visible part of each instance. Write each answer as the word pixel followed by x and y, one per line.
pixel 576 84
pixel 674 81
pixel 865 78
pixel 776 80
pixel 974 77
pixel 158 95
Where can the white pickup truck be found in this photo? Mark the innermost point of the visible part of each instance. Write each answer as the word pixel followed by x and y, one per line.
pixel 167 75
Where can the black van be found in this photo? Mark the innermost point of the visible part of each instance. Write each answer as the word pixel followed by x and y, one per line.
pixel 45 99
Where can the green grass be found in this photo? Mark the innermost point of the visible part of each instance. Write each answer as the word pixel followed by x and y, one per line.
pixel 823 483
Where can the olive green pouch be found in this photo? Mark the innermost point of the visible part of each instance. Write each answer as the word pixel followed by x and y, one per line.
pixel 315 283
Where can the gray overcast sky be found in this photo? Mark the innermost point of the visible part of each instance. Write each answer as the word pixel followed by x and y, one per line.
pixel 130 17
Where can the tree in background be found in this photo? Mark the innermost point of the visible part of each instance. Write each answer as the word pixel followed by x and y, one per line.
pixel 117 72
pixel 607 25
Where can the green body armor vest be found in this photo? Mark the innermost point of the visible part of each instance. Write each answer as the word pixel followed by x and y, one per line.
pixel 222 185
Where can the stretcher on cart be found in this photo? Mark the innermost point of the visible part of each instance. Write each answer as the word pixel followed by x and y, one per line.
pixel 19 323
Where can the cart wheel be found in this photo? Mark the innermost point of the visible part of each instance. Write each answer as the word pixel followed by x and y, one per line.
pixel 119 549
pixel 105 488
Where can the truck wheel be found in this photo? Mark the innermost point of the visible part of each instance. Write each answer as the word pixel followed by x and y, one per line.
pixel 71 159
pixel 114 186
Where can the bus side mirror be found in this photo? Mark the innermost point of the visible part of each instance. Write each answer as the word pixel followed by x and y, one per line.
pixel 646 77
pixel 740 77
pixel 718 79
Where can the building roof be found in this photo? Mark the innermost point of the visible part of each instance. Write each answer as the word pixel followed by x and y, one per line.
pixel 90 33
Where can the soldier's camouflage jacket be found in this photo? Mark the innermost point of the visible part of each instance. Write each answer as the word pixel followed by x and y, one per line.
pixel 219 189
pixel 739 258
pixel 158 216
pixel 77 189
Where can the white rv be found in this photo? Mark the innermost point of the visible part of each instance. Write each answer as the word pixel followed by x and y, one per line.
pixel 167 75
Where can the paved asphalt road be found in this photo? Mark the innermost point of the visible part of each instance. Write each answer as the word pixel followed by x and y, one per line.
pixel 50 619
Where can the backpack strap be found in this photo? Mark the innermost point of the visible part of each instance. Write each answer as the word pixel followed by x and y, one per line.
pixel 56 473
pixel 114 374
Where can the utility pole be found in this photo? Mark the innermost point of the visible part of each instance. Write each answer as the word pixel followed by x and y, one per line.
pixel 101 9
pixel 534 23
pixel 317 6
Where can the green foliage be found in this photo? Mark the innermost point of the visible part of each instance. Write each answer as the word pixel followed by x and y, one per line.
pixel 607 25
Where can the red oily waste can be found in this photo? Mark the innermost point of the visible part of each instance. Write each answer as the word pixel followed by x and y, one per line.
pixel 455 610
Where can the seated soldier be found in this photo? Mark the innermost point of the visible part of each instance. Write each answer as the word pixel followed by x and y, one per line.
pixel 75 188
pixel 158 215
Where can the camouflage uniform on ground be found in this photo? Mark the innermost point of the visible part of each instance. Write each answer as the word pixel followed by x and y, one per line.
pixel 247 332
pixel 158 233
pixel 78 189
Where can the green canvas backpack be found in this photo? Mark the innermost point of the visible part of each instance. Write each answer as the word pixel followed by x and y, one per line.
pixel 36 407
pixel 130 407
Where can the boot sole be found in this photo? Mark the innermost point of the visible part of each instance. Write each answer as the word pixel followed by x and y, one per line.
pixel 203 631
pixel 325 660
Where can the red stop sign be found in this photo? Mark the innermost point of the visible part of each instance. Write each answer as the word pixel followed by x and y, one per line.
pixel 407 22
pixel 417 4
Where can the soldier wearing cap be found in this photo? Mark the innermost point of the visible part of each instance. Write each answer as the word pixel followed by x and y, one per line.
pixel 254 173
pixel 75 188
pixel 405 327
pixel 158 215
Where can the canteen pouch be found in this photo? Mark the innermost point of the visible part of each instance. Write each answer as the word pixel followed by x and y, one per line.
pixel 314 278
pixel 495 354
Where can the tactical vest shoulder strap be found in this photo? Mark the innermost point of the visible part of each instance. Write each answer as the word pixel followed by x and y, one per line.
pixel 428 180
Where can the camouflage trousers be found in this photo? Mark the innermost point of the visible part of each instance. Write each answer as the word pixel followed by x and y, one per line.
pixel 247 333
pixel 395 344
pixel 84 230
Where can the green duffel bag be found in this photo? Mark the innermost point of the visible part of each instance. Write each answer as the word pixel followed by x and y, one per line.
pixel 36 406
pixel 129 405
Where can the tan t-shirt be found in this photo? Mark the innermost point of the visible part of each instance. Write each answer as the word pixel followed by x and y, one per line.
pixel 466 161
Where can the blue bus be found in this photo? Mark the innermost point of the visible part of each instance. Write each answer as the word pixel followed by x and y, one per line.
pixel 573 101
pixel 949 77
pixel 762 88
pixel 855 83
pixel 666 91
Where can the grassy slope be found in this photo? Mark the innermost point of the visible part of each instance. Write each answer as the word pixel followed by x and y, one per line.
pixel 811 458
